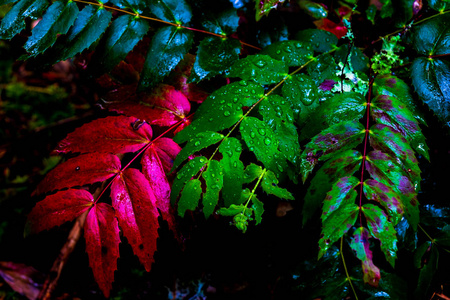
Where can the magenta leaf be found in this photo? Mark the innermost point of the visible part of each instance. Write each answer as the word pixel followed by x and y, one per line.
pixel 342 193
pixel 135 205
pixel 108 135
pixel 81 170
pixel 360 244
pixel 101 232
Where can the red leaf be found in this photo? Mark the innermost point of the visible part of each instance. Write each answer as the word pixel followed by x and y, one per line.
pixel 135 207
pixel 80 170
pixel 101 232
pixel 338 30
pixel 58 208
pixel 108 135
pixel 165 106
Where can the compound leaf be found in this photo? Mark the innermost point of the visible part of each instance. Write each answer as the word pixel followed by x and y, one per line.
pixel 213 177
pixel 225 23
pixel 433 36
pixel 301 91
pixel 360 244
pixel 252 172
pixel 186 173
pixel 321 41
pixel 233 170
pixel 342 193
pixel 189 196
pixel 175 11
pixel 259 68
pixel 293 53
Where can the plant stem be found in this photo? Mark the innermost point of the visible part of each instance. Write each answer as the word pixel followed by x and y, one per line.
pixel 345 268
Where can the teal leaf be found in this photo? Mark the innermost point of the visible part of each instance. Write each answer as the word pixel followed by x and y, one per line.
pixel 439 5
pixel 262 141
pixel 5 2
pixel 342 165
pixel 225 23
pixel 387 197
pixel 56 20
pixel 323 68
pixel 339 137
pixel 301 91
pixel 260 68
pixel 322 41
pixel 427 271
pixel 269 184
pixel 167 49
pixel 186 173
pixel 222 109
pixel 201 141
pixel 175 11
pixel 120 38
pixel 432 37
pixel 213 177
pixel 190 196
pixel 258 209
pixel 293 53
pixel 135 5
pixel 342 193
pixel 233 170
pixel 215 56
pixel 360 244
pixel 392 112
pixel 383 230
pixel 431 80
pixel 252 172
pixel 14 21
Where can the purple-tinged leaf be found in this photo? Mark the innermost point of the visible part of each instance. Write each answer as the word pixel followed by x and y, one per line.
pixel 383 230
pixel 108 135
pixel 360 244
pixel 339 137
pixel 80 170
pixel 135 206
pixel 101 232
pixel 387 197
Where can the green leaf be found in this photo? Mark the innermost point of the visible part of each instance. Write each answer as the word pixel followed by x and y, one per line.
pixel 427 271
pixel 392 112
pixel 260 68
pixel 5 2
pixel 419 253
pixel 387 10
pixel 431 80
pixel 56 20
pixel 337 224
pixel 252 172
pixel 293 53
pixel 443 238
pixel 167 49
pixel 339 137
pixel 222 109
pixel 225 23
pixel 439 5
pixel 262 141
pixel 235 210
pixel 233 170
pixel 213 177
pixel 387 197
pixel 186 173
pixel 176 11
pixel 432 37
pixel 322 41
pixel 121 37
pixel 386 170
pixel 215 56
pixel 342 165
pixel 360 244
pixel 342 193
pixel 383 230
pixel 323 68
pixel 201 141
pixel 190 196
pixel 355 58
pixel 301 91
pixel 14 21
pixel 264 7
pixel 341 108
pixel 315 10
pixel 258 209
pixel 269 185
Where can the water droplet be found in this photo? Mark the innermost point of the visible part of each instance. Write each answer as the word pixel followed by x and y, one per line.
pixel 280 168
pixel 211 119
pixel 260 63
pixel 278 52
pixel 327 40
pixel 262 131
pixel 238 149
pixel 252 134
pixel 235 164
pixel 235 99
pixel 243 83
pixel 288 49
pixel 222 101
pixel 226 113
pixel 179 176
pixel 298 45
pixel 202 160
pixel 197 143
pixel 77 169
pixel 267 141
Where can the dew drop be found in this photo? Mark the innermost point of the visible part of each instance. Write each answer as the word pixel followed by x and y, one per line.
pixel 252 134
pixel 211 119
pixel 278 52
pixel 226 113
pixel 262 131
pixel 288 49
pixel 235 164
pixel 260 63
pixel 243 83
pixel 197 143
pixel 267 141
pixel 235 99
pixel 77 169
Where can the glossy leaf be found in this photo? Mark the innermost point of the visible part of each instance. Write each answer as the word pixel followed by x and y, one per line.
pixel 258 209
pixel 252 172
pixel 167 49
pixel 177 11
pixel 383 230
pixel 112 135
pixel 342 193
pixel 81 170
pixel 433 36
pixel 135 206
pixel 185 174
pixel 321 41
pixel 101 232
pixel 323 70
pixel 301 91
pixel 225 23
pixel 269 184
pixel 189 196
pixel 14 21
pixel 259 68
pixel 360 244
pixel 439 5
pixel 213 177
pixel 58 18
pixel 233 170
pixel 135 5
pixel 57 209
pixel 293 53
pixel 264 7
pixel 339 137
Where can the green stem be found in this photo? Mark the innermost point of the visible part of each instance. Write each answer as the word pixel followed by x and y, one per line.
pixel 426 233
pixel 345 268
pixel 254 188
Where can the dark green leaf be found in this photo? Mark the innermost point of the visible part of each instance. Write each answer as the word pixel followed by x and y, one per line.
pixel 407 237
pixel 260 68
pixel 439 5
pixel 214 57
pixel 252 172
pixel 339 137
pixel 321 40
pixel 432 37
pixel 403 12
pixel 391 286
pixel 360 244
pixel 201 141
pixel 269 185
pixel 135 5
pixel 222 109
pixel 431 80
pixel 342 193
pixel 264 7
pixel 427 271
pixel 419 253
pixel 302 92
pixel 233 170
pixel 190 196
pixel 342 165
pixel 293 53
pixel 258 209
pixel 383 230
pixel 186 173
pixel 56 20
pixel 214 182
pixel 176 11
pixel 14 21
pixel 167 49
pixel 234 210
pixel 443 238
pixel 324 68
pixel 387 10
pixel 225 23
pixel 435 215
pixel 355 58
